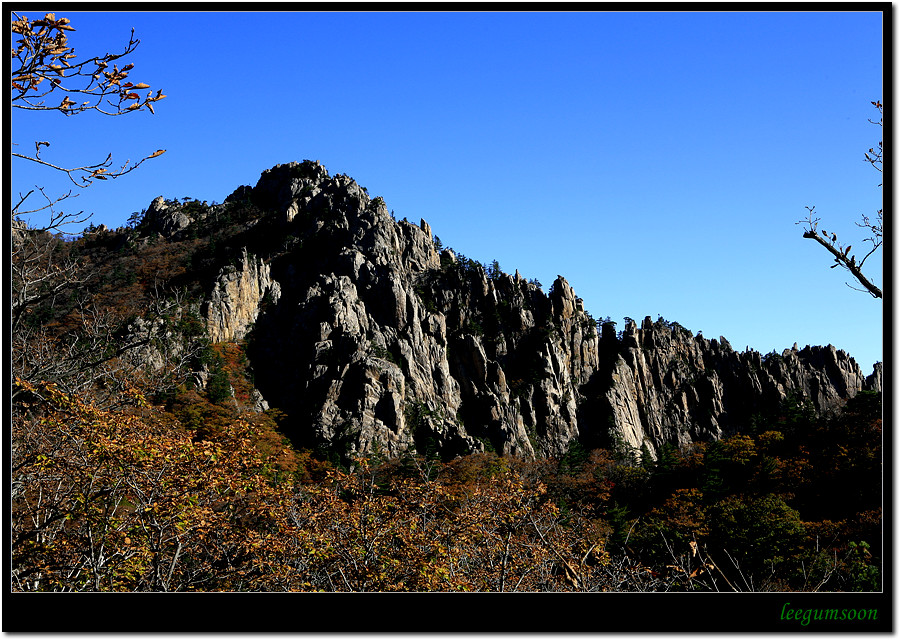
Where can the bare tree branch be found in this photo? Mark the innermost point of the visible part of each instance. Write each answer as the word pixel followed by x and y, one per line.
pixel 57 333
pixel 841 253
pixel 43 64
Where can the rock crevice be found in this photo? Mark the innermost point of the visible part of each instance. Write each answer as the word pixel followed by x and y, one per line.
pixel 370 336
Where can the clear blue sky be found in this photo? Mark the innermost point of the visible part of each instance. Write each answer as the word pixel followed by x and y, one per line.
pixel 658 160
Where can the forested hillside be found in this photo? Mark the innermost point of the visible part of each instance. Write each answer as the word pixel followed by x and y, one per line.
pixel 162 442
pixel 292 390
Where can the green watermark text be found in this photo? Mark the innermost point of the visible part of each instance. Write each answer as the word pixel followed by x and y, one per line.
pixel 805 616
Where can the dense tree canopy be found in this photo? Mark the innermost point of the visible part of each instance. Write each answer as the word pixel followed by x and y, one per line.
pixel 139 463
pixel 140 499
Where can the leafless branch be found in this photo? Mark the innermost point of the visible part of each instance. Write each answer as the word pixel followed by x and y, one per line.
pixel 43 63
pixel 842 256
pixel 841 253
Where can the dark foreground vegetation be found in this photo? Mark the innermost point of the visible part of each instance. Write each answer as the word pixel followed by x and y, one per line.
pixel 140 459
pixel 198 495
pixel 142 467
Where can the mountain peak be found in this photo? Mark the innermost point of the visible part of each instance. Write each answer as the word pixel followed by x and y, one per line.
pixel 368 335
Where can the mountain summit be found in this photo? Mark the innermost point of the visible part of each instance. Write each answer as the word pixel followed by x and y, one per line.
pixel 369 335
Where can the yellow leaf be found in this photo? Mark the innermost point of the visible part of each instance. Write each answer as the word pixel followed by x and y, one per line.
pixel 159 152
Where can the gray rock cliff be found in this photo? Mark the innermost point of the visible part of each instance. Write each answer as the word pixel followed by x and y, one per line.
pixel 668 386
pixel 369 337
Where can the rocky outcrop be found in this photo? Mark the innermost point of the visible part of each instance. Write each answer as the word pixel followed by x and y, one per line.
pixel 236 297
pixel 370 336
pixel 668 386
pixel 19 231
pixel 166 218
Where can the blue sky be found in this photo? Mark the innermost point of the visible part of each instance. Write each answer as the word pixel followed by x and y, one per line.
pixel 657 160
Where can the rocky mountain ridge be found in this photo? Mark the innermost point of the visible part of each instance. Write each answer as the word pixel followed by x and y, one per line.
pixel 370 335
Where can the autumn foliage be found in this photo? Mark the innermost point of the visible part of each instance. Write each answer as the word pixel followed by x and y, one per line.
pixel 142 461
pixel 136 499
pixel 133 500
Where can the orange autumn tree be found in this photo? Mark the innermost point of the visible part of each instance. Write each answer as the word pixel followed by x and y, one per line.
pixel 127 501
pixel 130 500
pixel 48 76
pixel 479 523
pixel 44 67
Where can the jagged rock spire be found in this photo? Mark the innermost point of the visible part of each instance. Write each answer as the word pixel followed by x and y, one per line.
pixel 368 340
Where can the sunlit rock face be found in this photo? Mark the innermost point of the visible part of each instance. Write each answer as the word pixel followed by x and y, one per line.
pixel 234 303
pixel 668 386
pixel 370 336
